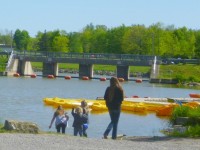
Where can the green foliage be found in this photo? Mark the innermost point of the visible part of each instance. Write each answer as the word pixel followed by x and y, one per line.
pixel 194 113
pixel 193 123
pixel 2 130
pixel 181 111
pixel 135 39
pixel 60 44
pixel 3 61
pixel 183 73
pixel 6 38
pixel 185 111
pixel 193 131
pixel 180 78
pixel 75 44
pixel 193 79
pixel 21 39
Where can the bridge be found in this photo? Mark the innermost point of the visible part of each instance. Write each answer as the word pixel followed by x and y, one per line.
pixel 20 62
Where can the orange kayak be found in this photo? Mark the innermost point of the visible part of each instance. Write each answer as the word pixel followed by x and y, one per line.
pixel 193 95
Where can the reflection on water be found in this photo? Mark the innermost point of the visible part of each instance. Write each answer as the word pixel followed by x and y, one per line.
pixel 22 99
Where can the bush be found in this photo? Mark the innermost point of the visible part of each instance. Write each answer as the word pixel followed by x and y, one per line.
pixel 193 131
pixel 180 78
pixel 181 111
pixel 193 123
pixel 194 116
pixel 193 79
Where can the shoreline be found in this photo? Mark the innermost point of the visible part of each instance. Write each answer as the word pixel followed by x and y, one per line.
pixel 43 141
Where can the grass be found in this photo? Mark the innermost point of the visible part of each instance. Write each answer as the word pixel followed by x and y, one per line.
pixel 142 69
pixel 182 72
pixel 2 130
pixel 3 61
pixel 192 131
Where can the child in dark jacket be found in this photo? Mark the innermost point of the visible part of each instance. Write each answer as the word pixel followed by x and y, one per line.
pixel 84 106
pixel 79 120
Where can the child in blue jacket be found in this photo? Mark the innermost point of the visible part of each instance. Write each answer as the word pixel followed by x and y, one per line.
pixel 79 120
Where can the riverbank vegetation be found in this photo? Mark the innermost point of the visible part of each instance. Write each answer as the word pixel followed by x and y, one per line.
pixel 3 62
pixel 191 116
pixel 181 72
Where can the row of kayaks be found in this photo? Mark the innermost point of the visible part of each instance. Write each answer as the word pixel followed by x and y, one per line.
pixel 160 108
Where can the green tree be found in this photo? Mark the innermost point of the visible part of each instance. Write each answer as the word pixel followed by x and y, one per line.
pixel 99 40
pixel 60 44
pixel 6 38
pixel 33 44
pixel 114 40
pixel 186 40
pixel 86 38
pixel 46 40
pixel 75 44
pixel 197 44
pixel 134 40
pixel 21 39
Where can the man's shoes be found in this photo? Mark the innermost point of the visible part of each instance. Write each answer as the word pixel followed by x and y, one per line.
pixel 105 136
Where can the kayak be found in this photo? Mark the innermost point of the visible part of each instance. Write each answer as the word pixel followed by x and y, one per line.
pixel 194 95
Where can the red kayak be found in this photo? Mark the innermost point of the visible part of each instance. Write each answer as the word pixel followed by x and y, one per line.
pixel 193 95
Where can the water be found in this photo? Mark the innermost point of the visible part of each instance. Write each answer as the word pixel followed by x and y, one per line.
pixel 22 99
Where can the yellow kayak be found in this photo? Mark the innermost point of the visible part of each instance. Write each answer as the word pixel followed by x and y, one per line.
pixel 98 106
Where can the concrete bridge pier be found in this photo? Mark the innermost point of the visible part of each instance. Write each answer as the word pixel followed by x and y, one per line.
pixel 86 70
pixel 24 67
pixel 123 72
pixel 50 68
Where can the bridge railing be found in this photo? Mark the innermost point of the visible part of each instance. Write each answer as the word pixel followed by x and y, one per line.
pixel 126 57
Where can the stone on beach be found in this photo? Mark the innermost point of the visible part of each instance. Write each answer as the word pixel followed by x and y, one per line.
pixel 21 127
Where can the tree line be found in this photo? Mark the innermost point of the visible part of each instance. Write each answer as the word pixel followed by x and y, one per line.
pixel 136 39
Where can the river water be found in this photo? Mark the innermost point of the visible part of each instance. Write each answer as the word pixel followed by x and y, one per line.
pixel 22 99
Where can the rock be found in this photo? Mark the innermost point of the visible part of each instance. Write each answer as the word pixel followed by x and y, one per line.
pixel 181 120
pixel 21 127
pixel 175 128
pixel 180 128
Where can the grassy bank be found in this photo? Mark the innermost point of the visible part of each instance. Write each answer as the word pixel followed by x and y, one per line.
pixel 182 72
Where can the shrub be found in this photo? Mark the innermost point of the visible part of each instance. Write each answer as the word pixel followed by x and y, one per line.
pixel 192 79
pixel 180 111
pixel 193 131
pixel 180 78
pixel 185 111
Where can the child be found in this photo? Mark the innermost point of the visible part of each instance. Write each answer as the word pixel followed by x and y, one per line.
pixel 65 119
pixel 85 108
pixel 79 120
pixel 61 120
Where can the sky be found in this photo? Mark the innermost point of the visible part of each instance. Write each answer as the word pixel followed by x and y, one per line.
pixel 73 15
